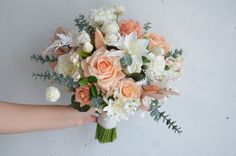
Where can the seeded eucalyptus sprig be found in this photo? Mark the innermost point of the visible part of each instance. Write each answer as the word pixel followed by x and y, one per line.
pixel 59 78
pixel 147 26
pixel 174 53
pixel 82 23
pixel 43 59
pixel 157 115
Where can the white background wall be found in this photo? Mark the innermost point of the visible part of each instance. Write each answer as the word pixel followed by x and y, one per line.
pixel 206 110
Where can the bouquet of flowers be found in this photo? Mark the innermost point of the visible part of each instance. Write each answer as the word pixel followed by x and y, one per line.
pixel 113 66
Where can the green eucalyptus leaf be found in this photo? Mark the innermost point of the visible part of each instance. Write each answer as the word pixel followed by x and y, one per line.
pixel 96 101
pixel 126 61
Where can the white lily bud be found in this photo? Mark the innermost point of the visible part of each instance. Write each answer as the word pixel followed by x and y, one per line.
pixel 83 37
pixel 87 47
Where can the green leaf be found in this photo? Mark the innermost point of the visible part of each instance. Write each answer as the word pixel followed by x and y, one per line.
pixel 92 79
pixel 145 59
pixel 83 54
pixel 76 105
pixel 157 115
pixel 93 91
pixel 138 76
pixel 83 82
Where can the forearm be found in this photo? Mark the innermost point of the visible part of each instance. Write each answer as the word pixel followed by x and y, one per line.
pixel 16 118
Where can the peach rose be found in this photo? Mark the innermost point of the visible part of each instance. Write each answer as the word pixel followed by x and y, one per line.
pixel 128 26
pixel 127 89
pixel 106 69
pixel 82 95
pixel 156 40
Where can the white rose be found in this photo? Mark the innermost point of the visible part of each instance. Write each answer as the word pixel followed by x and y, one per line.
pixel 87 47
pixel 65 66
pixel 110 28
pixel 83 37
pixel 112 39
pixel 52 94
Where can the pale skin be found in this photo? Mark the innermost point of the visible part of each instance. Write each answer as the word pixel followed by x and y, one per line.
pixel 19 118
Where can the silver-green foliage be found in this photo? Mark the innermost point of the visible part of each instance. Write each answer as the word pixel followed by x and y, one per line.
pixel 43 59
pixel 82 23
pixel 157 115
pixel 59 78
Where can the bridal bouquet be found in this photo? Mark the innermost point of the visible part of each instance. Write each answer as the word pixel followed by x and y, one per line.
pixel 114 66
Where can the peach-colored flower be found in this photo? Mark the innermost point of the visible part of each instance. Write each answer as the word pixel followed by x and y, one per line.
pixel 127 89
pixel 99 39
pixel 156 40
pixel 151 91
pixel 63 30
pixel 82 95
pixel 128 26
pixel 106 69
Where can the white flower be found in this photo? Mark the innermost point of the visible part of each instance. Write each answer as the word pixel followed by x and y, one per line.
pixel 119 9
pixel 136 65
pixel 156 66
pixel 102 15
pixel 52 94
pixel 147 100
pixel 66 67
pixel 65 39
pixel 158 51
pixel 83 37
pixel 131 106
pixel 116 109
pixel 136 48
pixel 112 27
pixel 74 58
pixel 112 39
pixel 87 47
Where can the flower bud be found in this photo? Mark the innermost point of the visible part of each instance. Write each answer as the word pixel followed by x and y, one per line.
pixel 87 47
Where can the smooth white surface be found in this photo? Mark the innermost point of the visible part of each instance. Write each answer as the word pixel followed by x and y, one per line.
pixel 205 29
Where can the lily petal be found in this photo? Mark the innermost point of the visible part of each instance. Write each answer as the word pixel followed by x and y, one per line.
pixel 99 39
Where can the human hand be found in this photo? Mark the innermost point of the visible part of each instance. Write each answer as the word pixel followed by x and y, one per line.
pixel 85 117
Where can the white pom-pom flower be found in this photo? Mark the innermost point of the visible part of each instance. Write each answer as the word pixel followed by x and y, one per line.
pixel 52 94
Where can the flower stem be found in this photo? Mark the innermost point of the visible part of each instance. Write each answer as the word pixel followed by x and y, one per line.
pixel 105 135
